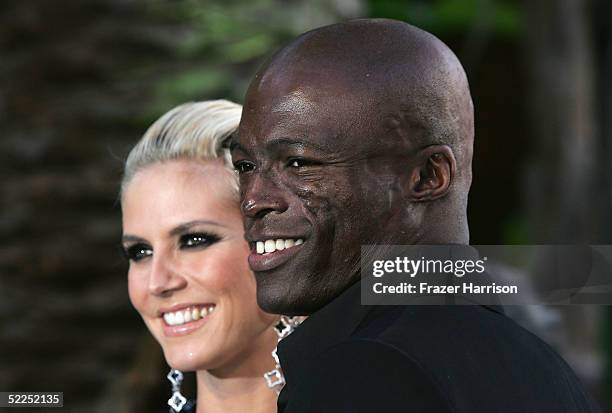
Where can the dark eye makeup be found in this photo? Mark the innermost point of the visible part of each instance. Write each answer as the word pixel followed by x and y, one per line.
pixel 140 250
pixel 197 239
pixel 137 251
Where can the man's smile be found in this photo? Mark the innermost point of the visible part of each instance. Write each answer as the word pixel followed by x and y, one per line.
pixel 270 253
pixel 279 244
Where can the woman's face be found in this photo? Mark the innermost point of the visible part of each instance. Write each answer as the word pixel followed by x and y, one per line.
pixel 189 278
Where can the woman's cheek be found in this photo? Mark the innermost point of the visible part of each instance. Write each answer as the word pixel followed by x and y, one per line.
pixel 136 290
pixel 229 270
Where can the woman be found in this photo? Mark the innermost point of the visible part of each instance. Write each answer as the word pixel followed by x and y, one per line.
pixel 188 276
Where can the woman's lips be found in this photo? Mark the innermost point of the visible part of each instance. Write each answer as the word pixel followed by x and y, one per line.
pixel 183 329
pixel 268 261
pixel 186 327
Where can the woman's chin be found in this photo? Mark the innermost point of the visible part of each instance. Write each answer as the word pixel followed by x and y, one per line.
pixel 186 360
pixel 188 365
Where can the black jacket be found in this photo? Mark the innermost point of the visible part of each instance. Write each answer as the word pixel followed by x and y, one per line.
pixel 352 358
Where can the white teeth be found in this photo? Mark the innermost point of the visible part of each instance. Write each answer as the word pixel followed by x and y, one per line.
pixel 271 245
pixel 188 315
pixel 280 244
pixel 169 318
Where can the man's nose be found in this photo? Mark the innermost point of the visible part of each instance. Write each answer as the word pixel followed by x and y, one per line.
pixel 165 278
pixel 261 195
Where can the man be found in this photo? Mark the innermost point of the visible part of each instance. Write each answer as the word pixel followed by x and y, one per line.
pixel 361 133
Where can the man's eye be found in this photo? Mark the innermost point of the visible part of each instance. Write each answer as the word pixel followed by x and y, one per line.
pixel 244 166
pixel 137 252
pixel 197 240
pixel 299 162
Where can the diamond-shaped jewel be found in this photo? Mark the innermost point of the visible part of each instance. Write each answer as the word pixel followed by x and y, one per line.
pixel 283 329
pixel 275 357
pixel 274 378
pixel 292 321
pixel 175 377
pixel 177 401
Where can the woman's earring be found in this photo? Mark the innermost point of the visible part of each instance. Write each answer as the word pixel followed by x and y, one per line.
pixel 285 326
pixel 177 400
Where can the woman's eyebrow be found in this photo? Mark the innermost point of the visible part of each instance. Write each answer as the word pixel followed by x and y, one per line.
pixel 131 238
pixel 179 229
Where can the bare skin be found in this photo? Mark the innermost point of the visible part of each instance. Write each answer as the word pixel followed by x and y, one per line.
pixel 186 248
pixel 356 133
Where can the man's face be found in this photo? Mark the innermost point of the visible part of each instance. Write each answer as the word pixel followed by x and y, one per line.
pixel 315 186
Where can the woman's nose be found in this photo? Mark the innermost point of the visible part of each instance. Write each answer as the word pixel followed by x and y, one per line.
pixel 165 277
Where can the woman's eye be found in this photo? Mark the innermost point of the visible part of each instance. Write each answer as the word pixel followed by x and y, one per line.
pixel 197 240
pixel 244 166
pixel 138 252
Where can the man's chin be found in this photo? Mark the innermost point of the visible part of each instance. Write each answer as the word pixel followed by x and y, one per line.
pixel 287 297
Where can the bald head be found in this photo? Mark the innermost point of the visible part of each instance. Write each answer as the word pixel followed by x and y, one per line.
pixel 355 133
pixel 402 78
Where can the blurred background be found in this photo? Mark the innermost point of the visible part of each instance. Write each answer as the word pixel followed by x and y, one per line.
pixel 80 81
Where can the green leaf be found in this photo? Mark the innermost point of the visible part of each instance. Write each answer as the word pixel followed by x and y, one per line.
pixel 192 84
pixel 249 48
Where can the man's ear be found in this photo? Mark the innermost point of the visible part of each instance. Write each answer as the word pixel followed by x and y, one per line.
pixel 433 173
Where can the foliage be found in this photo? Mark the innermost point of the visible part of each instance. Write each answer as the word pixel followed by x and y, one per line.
pixel 441 16
pixel 214 47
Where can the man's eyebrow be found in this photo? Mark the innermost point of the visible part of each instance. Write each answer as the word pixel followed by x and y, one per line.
pixel 286 141
pixel 235 146
pixel 182 228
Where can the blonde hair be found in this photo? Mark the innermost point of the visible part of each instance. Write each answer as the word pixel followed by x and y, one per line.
pixel 192 131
